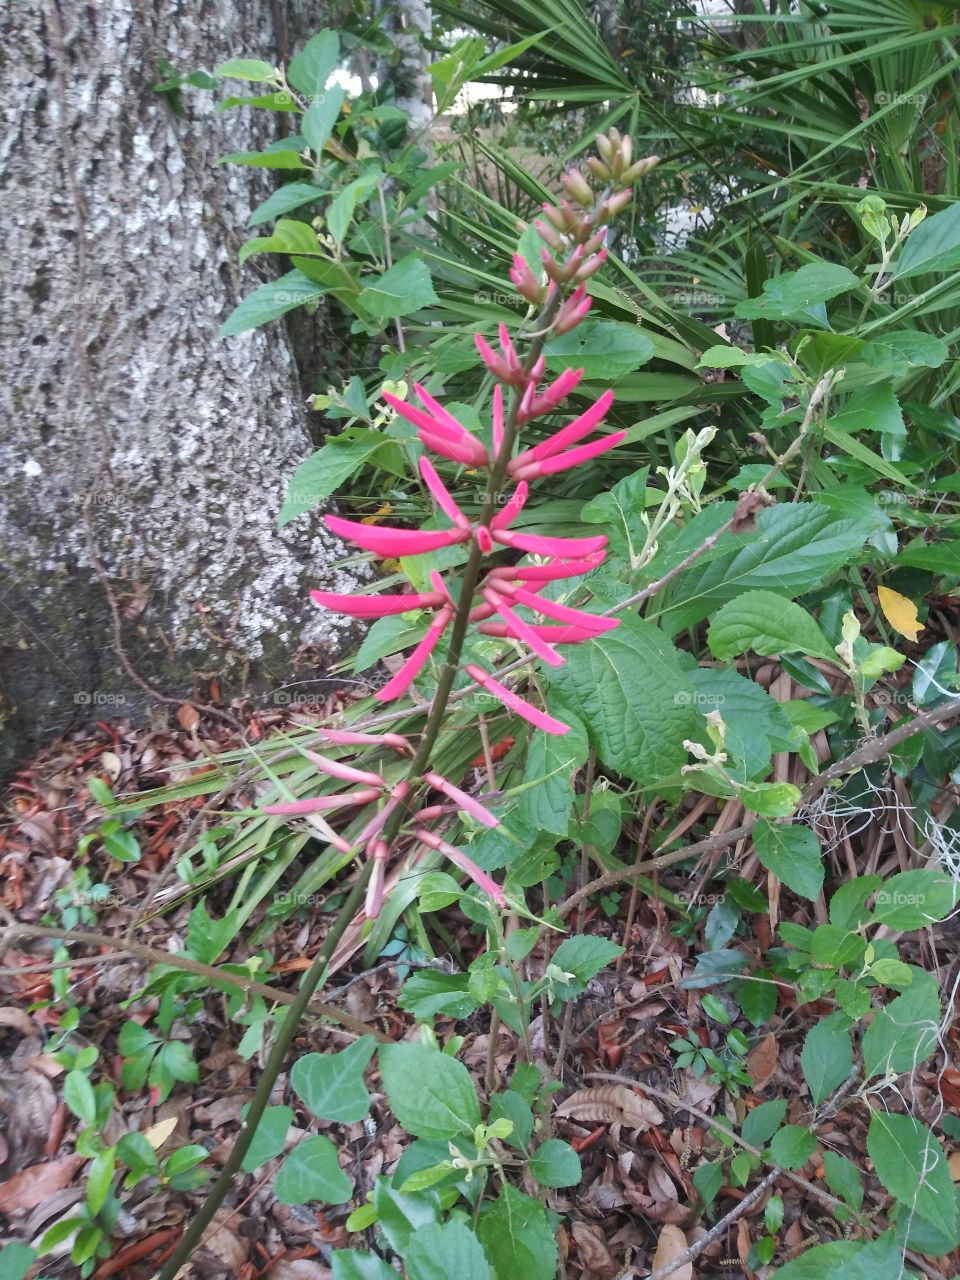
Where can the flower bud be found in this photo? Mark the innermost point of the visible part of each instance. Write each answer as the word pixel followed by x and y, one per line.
pixel 577 188
pixel 555 271
pixel 639 169
pixel 598 169
pixel 547 233
pixel 605 147
pixel 590 266
pixel 612 205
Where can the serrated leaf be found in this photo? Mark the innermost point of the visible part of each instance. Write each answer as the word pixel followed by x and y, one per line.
pixel 320 117
pixel 634 698
pixel 350 1264
pixel 904 1033
pixel 605 349
pixel 585 955
pixel 792 853
pixel 311 1172
pixel 792 1146
pixel 914 899
pixel 293 195
pixel 768 624
pixel 762 1122
pixel 331 1086
pixel 551 762
pixel 405 288
pixel 555 1164
pixel 843 1178
pixel 933 246
pixel 437 1252
pixel 910 1163
pixel 827 1056
pixel 799 295
pixel 517 1238
pixel 431 1094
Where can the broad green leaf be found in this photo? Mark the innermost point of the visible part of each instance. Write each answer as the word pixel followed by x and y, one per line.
pixel 270 1137
pixel 835 946
pixel 799 295
pixel 619 510
pixel 767 624
pixel 326 471
pixel 734 358
pixel 340 210
pixel 99 1178
pixel 405 288
pixel 320 117
pixel 388 636
pixel 517 1238
pixel 795 547
pixel 904 1033
pixel 271 300
pixel 849 1259
pixel 792 1146
pixel 792 852
pixel 286 198
pixel 933 246
pixel 16 1259
pixel 585 955
pixel 311 68
pixel 289 236
pixel 903 350
pixel 871 409
pixel 910 1163
pixel 427 992
pixel 827 1056
pixel 349 1264
pixel 437 1252
pixel 431 1094
pixel 914 899
pixel 270 158
pixel 771 799
pixel 848 906
pixel 634 698
pixel 551 762
pixel 245 69
pixel 756 723
pixel 512 1106
pixel 763 1122
pixel 843 1178
pixel 708 1179
pixel 79 1096
pixel 604 349
pixel 311 1172
pixel 555 1164
pixel 330 1085
pixel 851 445
pixel 401 1216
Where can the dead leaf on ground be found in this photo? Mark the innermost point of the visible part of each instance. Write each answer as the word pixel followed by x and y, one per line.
pixel 30 1187
pixel 16 1018
pixel 671 1245
pixel 299 1269
pixel 188 717
pixel 763 1060
pixel 611 1104
pixel 592 1252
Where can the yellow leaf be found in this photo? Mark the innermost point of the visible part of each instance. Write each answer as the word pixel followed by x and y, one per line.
pixel 158 1133
pixel 900 612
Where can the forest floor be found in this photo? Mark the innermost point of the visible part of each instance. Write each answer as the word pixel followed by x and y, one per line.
pixel 641 1135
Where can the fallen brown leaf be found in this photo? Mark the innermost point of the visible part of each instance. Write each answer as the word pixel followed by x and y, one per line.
pixel 671 1245
pixel 30 1187
pixel 763 1060
pixel 188 717
pixel 592 1252
pixel 611 1104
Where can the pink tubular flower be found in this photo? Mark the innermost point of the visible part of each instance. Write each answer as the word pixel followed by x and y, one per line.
pixel 463 801
pixel 534 406
pixel 567 436
pixel 394 542
pixel 476 874
pixel 350 738
pixel 417 660
pixel 374 900
pixel 440 431
pixel 521 630
pixel 592 622
pixel 525 282
pixel 321 804
pixel 345 772
pixel 442 496
pixel 513 701
pixel 376 606
pixel 573 311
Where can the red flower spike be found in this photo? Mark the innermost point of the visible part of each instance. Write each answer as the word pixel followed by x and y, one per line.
pixel 512 508
pixel 378 821
pixel 345 772
pixel 553 635
pixel 417 660
pixel 568 436
pixel 349 738
pixel 375 606
pixel 497 419
pixel 543 546
pixel 522 631
pixel 476 874
pixel 321 804
pixel 573 458
pixel 563 612
pixel 513 701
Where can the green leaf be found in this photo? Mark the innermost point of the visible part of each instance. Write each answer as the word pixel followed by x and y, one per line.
pixel 842 1258
pixel 245 69
pixel 904 1033
pixel 348 1264
pixel 772 799
pixel 604 349
pixel 340 210
pixel 909 1162
pixel 311 1172
pixel 405 288
pixel 792 1146
pixel 933 246
pixel 432 1095
pixel 792 853
pixel 286 198
pixel 512 1106
pixel 271 300
pixel 271 158
pixel 634 698
pixel 827 1056
pixel 871 409
pixel 325 471
pixel 320 117
pixel 289 236
pixel 843 1178
pixel 517 1238
pixel 270 1137
pixel 906 349
pixel 79 1096
pixel 16 1259
pixel 548 771
pixel 914 899
pixel 555 1164
pixel 796 546
pixel 756 723
pixel 799 295
pixel 708 1179
pixel 767 624
pixel 311 68
pixel 620 511
pixel 763 1122
pixel 100 1178
pixel 136 1153
pixel 401 1216
pixel 734 358
pixel 330 1085
pixel 437 1252
pixel 427 992
pixel 836 946
pixel 206 938
pixel 585 955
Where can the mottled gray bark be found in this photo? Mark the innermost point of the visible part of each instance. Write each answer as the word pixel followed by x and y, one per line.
pixel 138 446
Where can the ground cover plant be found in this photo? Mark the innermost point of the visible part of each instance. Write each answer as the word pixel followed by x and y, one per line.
pixel 600 918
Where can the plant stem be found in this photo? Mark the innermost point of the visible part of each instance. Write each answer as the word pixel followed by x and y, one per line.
pixel 271 1071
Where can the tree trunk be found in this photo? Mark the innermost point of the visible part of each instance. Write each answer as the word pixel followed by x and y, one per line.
pixel 145 457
